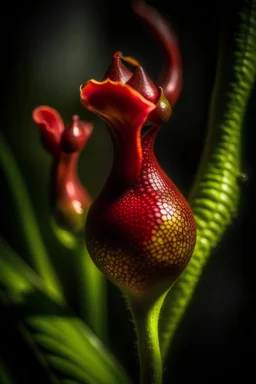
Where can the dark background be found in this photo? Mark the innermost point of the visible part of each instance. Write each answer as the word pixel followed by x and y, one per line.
pixel 48 50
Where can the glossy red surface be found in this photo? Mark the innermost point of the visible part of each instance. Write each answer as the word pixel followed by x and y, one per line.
pixel 141 236
pixel 140 231
pixel 69 199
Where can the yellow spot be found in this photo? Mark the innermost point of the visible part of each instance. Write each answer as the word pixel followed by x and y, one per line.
pixel 160 240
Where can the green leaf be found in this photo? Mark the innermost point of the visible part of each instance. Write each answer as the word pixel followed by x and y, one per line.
pixel 27 220
pixel 66 346
pixel 215 196
pixel 5 377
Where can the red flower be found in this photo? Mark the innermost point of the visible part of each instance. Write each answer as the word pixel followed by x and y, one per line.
pixel 126 101
pixel 69 199
pixel 140 230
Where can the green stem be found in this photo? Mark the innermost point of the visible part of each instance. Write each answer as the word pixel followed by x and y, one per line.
pixel 146 319
pixel 31 233
pixel 216 192
pixel 92 291
pixel 91 283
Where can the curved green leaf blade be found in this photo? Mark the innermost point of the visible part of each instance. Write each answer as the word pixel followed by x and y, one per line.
pixel 65 344
pixel 5 376
pixel 216 193
pixel 27 220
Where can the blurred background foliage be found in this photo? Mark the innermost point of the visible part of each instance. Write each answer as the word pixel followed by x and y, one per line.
pixel 49 49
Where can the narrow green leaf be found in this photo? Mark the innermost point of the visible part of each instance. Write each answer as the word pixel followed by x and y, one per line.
pixel 215 196
pixel 5 377
pixel 28 222
pixel 68 347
